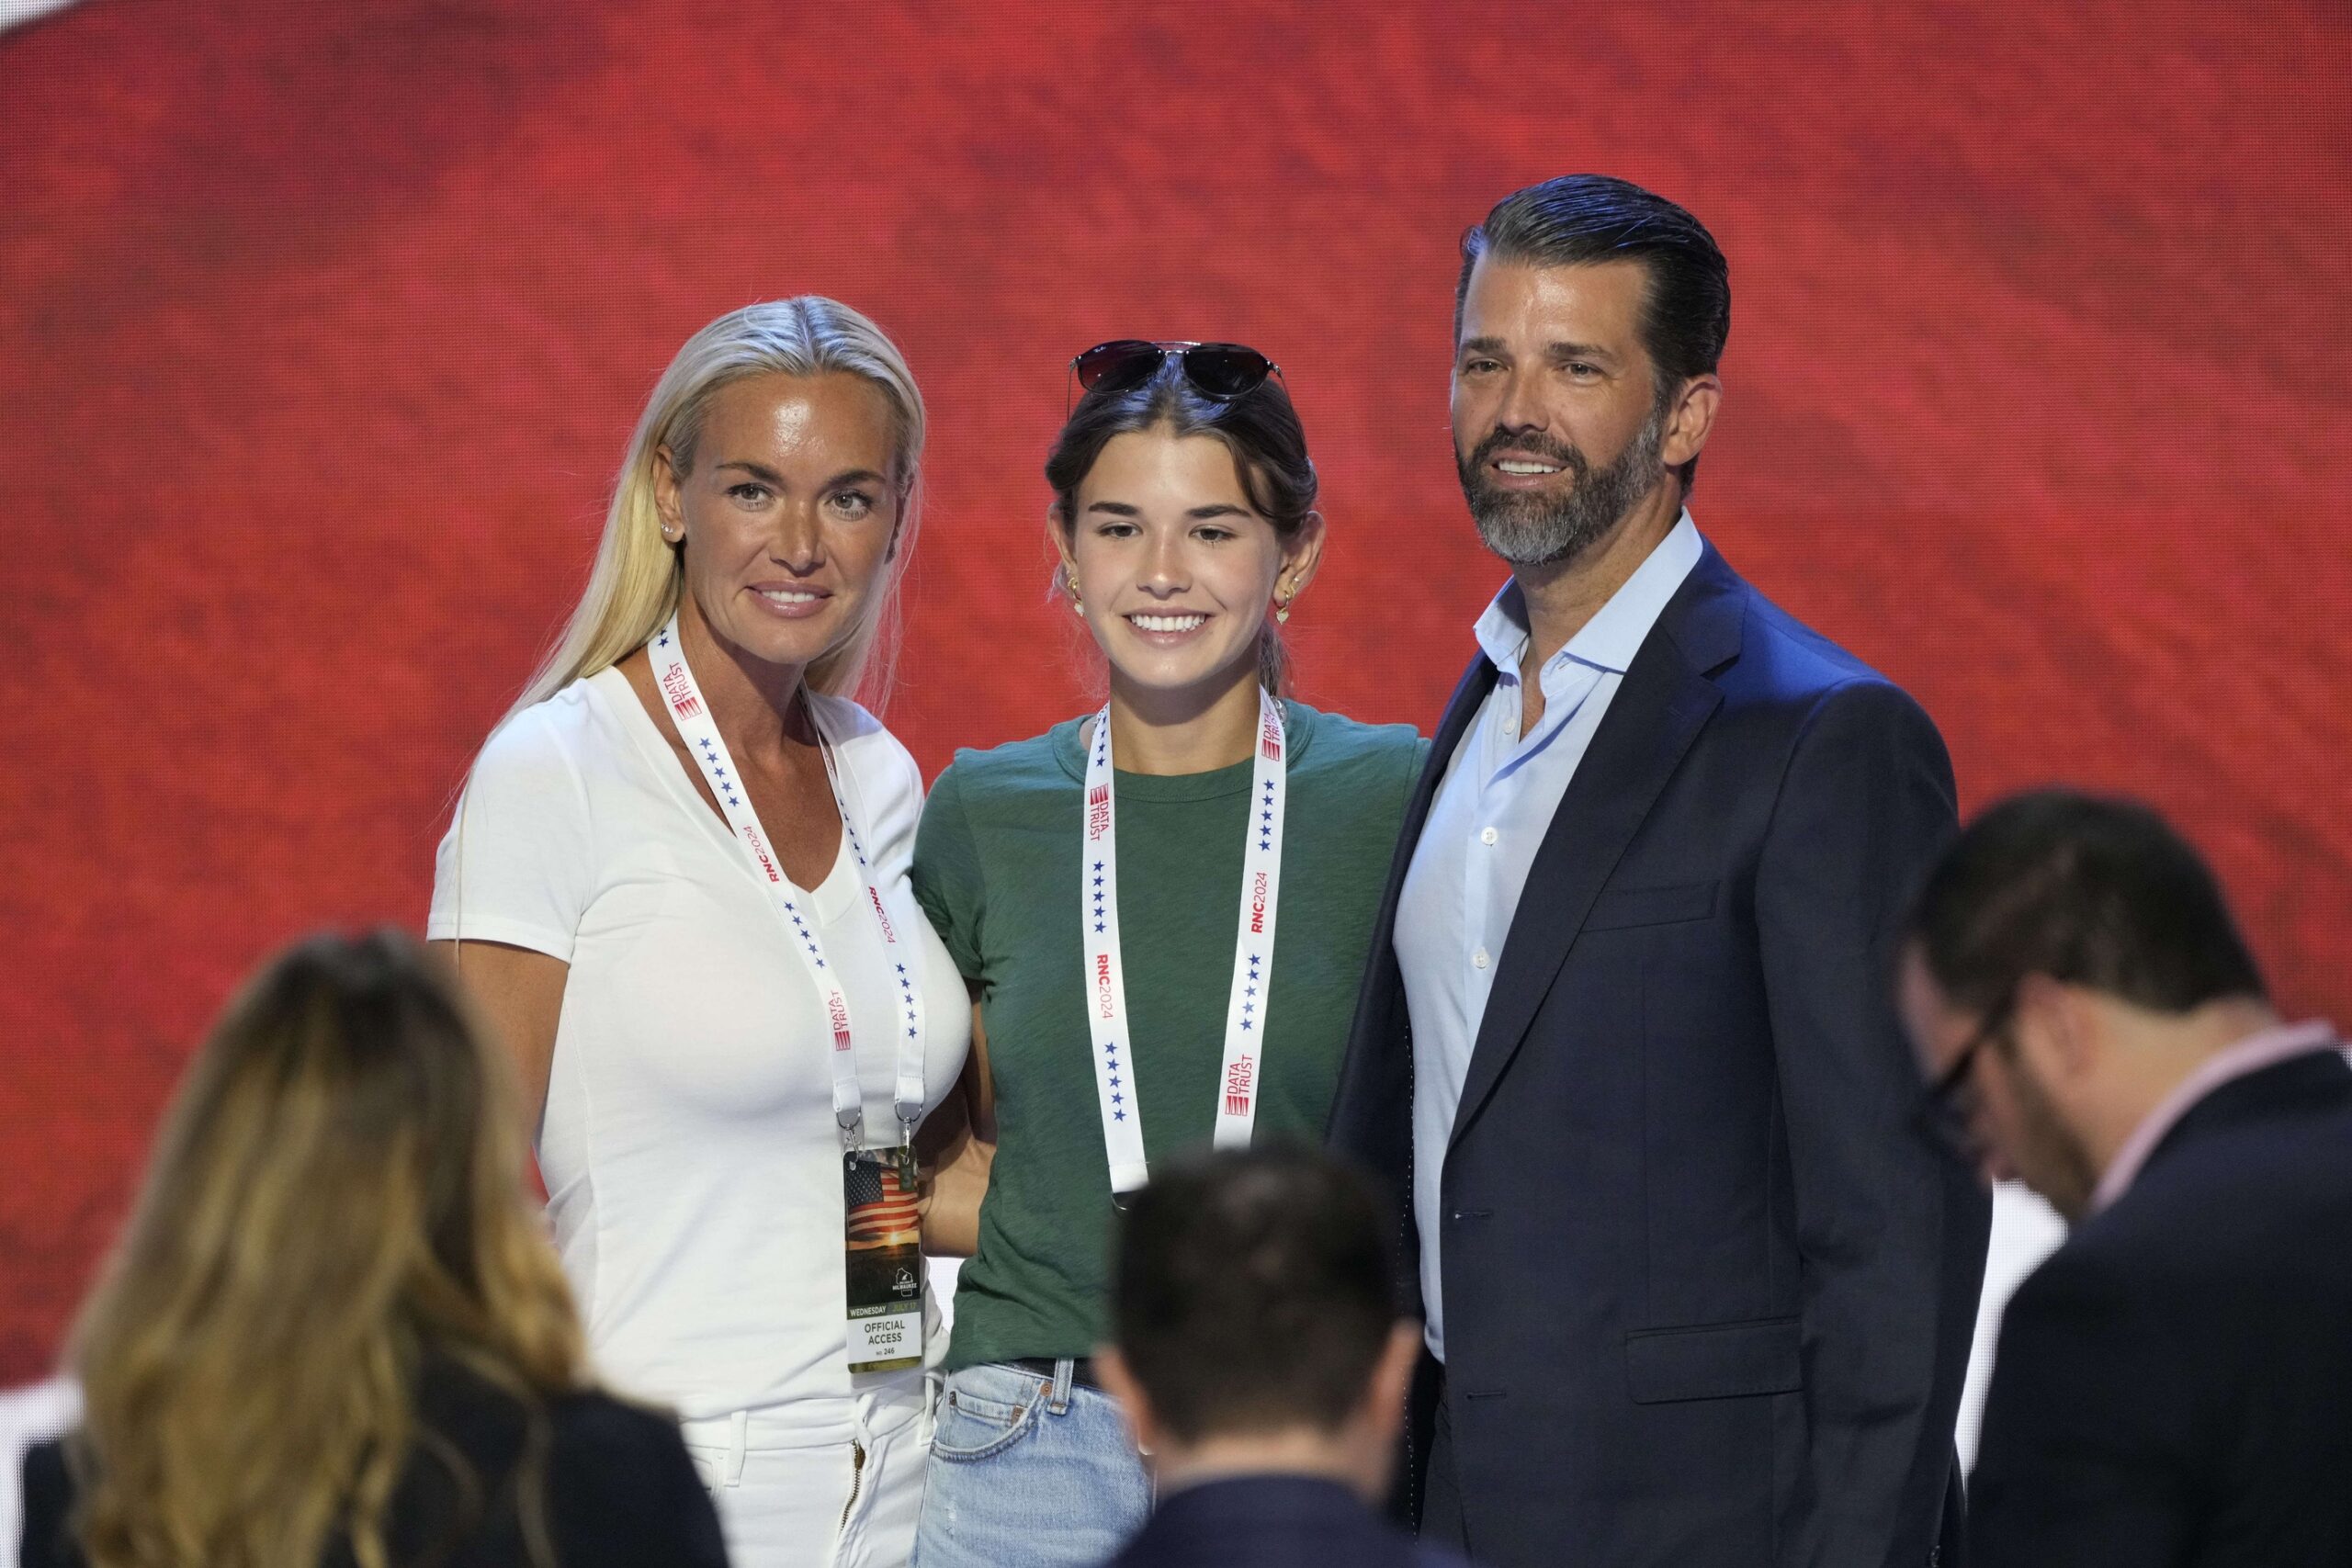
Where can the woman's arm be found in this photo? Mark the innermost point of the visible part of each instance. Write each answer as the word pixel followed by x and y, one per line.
pixel 519 995
pixel 958 1147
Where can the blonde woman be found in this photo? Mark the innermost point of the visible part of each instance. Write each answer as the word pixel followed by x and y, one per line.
pixel 677 881
pixel 334 1330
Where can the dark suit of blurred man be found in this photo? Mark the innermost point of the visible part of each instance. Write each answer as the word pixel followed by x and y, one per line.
pixel 2172 1387
pixel 1701 1293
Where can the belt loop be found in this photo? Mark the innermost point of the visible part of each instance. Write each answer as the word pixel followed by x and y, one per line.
pixel 1059 1402
pixel 737 1442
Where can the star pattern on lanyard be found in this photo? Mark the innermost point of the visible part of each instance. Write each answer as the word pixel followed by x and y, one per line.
pixel 1099 914
pixel 718 771
pixel 808 938
pixel 663 640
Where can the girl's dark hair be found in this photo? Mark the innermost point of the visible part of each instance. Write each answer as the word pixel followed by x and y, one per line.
pixel 1260 428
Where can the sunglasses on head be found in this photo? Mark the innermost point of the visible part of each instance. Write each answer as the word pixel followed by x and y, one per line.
pixel 1220 370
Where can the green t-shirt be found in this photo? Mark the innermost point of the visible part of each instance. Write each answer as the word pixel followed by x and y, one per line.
pixel 997 869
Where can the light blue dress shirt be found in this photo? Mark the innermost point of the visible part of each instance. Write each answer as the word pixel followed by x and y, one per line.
pixel 1492 809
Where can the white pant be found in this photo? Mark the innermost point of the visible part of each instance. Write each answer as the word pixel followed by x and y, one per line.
pixel 799 1490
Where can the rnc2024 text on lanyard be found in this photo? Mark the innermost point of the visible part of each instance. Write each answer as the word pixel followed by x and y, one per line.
pixel 1254 952
pixel 883 1240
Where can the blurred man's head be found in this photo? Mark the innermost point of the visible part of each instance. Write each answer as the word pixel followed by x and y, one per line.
pixel 2068 963
pixel 1254 1321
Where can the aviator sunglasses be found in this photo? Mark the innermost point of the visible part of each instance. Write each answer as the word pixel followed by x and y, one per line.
pixel 1220 370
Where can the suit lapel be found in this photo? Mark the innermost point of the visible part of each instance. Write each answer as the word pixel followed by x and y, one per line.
pixel 1656 714
pixel 1460 709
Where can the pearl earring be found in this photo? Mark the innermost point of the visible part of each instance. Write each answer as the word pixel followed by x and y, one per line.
pixel 1077 605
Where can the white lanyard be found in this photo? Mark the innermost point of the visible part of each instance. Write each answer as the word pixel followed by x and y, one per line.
pixel 693 721
pixel 1254 952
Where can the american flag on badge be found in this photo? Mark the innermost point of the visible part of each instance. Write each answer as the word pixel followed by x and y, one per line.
pixel 881 1212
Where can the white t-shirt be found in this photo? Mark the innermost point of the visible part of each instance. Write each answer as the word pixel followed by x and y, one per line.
pixel 692 1164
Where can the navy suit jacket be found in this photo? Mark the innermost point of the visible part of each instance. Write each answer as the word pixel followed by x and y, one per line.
pixel 1273 1521
pixel 1709 1290
pixel 2174 1385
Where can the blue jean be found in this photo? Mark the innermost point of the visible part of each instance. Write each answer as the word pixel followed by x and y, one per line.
pixel 1027 1473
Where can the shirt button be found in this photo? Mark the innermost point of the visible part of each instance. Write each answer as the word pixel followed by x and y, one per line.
pixel 1479 958
pixel 1489 836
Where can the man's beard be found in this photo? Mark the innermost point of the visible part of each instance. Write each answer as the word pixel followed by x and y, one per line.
pixel 1537 530
pixel 2050 1156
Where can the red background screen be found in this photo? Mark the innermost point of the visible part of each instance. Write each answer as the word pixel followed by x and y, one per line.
pixel 323 327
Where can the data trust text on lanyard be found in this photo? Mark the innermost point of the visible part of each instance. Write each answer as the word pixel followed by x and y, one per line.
pixel 792 905
pixel 1254 952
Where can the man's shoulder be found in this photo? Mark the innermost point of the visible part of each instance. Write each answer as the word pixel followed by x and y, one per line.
pixel 1778 675
pixel 2221 1195
pixel 1271 1521
pixel 2248 1223
pixel 1791 686
pixel 1792 657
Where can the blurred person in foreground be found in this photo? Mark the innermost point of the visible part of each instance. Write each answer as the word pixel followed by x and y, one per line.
pixel 333 1331
pixel 1262 1360
pixel 2174 1385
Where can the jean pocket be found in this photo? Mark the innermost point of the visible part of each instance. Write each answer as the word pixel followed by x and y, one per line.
pixel 985 1411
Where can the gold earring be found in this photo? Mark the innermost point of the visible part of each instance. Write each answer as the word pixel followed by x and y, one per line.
pixel 1282 609
pixel 1077 605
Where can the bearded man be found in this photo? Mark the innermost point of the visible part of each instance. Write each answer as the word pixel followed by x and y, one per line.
pixel 1699 1287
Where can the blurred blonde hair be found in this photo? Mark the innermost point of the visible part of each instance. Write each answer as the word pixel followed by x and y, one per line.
pixel 337 1194
pixel 636 582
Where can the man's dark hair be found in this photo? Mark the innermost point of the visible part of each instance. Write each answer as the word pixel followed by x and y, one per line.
pixel 1585 219
pixel 1253 1292
pixel 2085 890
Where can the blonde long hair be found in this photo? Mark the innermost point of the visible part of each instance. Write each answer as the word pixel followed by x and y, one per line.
pixel 636 582
pixel 337 1195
